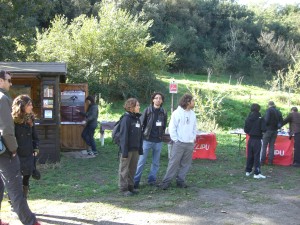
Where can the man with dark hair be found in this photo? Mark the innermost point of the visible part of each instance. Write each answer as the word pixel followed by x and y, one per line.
pixel 254 126
pixel 183 131
pixel 294 122
pixel 273 120
pixel 154 121
pixel 10 174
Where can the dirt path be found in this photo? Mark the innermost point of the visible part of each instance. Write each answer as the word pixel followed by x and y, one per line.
pixel 245 204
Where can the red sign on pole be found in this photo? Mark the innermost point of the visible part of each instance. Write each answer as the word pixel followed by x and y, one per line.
pixel 173 87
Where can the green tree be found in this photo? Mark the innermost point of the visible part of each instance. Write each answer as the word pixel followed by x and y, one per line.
pixel 111 54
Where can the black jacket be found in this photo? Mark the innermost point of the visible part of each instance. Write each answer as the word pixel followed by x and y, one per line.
pixel 91 115
pixel 28 140
pixel 273 117
pixel 131 134
pixel 147 121
pixel 255 125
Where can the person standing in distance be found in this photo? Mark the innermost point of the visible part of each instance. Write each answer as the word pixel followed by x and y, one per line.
pixel 183 131
pixel 91 117
pixel 154 121
pixel 294 122
pixel 130 146
pixel 10 173
pixel 254 127
pixel 272 118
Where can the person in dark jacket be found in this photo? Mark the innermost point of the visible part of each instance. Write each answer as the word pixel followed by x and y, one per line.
pixel 154 121
pixel 11 177
pixel 26 135
pixel 294 122
pixel 273 119
pixel 130 146
pixel 91 119
pixel 254 127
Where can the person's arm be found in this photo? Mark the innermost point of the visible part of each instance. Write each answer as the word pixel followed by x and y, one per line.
pixel 92 114
pixel 165 120
pixel 173 127
pixel 124 132
pixel 8 129
pixel 288 119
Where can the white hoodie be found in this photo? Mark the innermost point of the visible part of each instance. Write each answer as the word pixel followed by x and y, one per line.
pixel 183 125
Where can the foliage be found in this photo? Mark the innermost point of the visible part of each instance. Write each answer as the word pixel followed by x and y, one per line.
pixel 208 105
pixel 111 54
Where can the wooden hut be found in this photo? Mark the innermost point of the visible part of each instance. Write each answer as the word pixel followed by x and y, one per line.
pixel 42 82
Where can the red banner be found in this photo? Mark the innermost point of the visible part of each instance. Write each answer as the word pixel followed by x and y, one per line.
pixel 205 146
pixel 283 151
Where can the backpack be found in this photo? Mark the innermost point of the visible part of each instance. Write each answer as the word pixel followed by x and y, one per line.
pixel 115 134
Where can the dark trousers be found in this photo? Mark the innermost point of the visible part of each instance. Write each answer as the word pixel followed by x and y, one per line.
pixel 11 178
pixel 88 136
pixel 269 138
pixel 253 155
pixel 297 148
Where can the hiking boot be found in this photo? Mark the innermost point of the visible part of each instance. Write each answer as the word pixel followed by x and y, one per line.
pixel 259 176
pixel 127 193
pixel 182 185
pixel 152 183
pixel 164 186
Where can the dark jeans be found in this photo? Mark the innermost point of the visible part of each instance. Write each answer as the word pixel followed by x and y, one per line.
pixel 269 138
pixel 253 155
pixel 88 136
pixel 297 148
pixel 11 178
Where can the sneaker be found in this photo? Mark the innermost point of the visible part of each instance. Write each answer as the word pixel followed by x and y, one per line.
pixel 3 223
pixel 248 174
pixel 259 176
pixel 95 153
pixel 90 155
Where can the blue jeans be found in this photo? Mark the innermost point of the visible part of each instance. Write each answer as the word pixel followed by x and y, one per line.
pixel 156 149
pixel 88 136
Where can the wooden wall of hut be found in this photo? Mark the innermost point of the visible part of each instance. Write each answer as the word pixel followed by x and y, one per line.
pixel 70 134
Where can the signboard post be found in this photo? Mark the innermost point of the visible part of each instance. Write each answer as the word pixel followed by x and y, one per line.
pixel 173 90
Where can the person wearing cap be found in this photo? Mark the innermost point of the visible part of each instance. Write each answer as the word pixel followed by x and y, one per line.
pixel 294 124
pixel 11 177
pixel 273 118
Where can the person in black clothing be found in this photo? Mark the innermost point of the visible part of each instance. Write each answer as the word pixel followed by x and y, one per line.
pixel 273 120
pixel 154 122
pixel 254 127
pixel 294 122
pixel 91 117
pixel 26 135
pixel 130 146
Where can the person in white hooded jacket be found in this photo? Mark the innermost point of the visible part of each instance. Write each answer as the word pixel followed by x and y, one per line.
pixel 183 131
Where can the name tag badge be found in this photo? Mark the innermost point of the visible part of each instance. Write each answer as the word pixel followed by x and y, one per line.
pixel 137 125
pixel 158 124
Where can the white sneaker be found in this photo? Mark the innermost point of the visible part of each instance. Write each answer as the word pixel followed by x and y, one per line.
pixel 248 174
pixel 259 176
